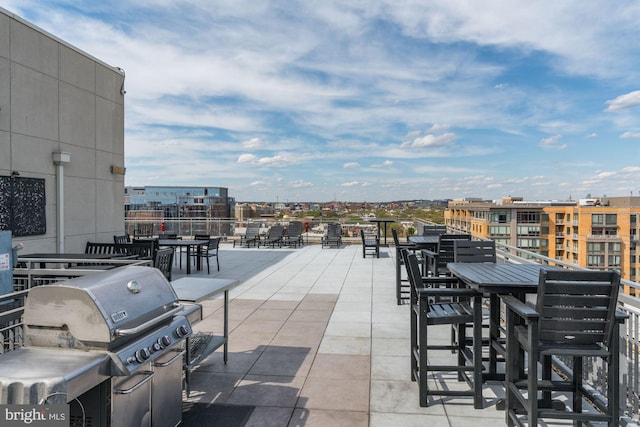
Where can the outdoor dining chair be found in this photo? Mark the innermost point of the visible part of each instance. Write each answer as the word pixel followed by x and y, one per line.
pixel 574 318
pixel 370 244
pixel 402 282
pixel 208 250
pixel 437 301
pixel 164 261
pixel 436 261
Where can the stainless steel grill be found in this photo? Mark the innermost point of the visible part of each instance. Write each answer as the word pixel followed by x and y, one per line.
pixel 113 342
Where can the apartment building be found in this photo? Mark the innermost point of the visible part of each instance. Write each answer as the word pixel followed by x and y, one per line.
pixel 598 233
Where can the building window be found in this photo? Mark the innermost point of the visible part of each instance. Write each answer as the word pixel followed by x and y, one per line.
pixel 611 219
pixel 615 247
pixel 500 217
pixel 595 247
pixel 595 260
pixel 531 230
pixel 495 230
pixel 597 219
pixel 528 217
pixel 614 261
pixel 528 243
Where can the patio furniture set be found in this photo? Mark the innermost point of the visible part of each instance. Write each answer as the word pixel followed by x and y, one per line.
pixel 572 318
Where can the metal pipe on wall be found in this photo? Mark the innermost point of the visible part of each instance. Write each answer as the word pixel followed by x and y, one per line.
pixel 60 159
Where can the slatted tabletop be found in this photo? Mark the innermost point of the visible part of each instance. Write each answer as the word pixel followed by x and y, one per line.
pixel 498 278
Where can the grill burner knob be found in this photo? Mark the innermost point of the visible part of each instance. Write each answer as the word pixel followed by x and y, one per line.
pixel 155 347
pixel 182 330
pixel 142 355
pixel 164 341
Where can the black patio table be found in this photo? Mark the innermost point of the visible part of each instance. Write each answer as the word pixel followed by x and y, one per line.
pixel 189 244
pixel 425 242
pixel 495 279
pixel 384 221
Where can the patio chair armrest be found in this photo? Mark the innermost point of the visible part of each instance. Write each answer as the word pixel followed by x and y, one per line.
pixel 429 253
pixel 518 307
pixel 621 316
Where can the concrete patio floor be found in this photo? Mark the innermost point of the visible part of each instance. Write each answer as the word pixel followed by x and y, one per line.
pixel 316 339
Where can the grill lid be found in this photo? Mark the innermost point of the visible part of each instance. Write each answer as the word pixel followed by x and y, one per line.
pixel 93 311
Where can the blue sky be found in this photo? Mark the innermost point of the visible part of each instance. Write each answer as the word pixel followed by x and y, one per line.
pixel 370 100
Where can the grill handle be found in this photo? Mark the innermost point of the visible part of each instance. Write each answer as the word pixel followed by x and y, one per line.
pixel 145 325
pixel 148 376
pixel 173 359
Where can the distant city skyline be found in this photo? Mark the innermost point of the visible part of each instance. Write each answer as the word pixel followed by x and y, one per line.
pixel 370 101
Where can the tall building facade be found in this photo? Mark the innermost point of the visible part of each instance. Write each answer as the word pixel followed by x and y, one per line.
pixel 595 233
pixel 180 202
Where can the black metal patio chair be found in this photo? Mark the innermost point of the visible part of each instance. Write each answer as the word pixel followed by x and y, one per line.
pixel 209 250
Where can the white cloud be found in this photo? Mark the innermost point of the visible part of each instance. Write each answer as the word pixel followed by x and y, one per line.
pixel 553 142
pixel 350 184
pixel 438 127
pixel 252 143
pixel 301 184
pixel 630 135
pixel 430 140
pixel 273 161
pixel 385 164
pixel 351 165
pixel 277 160
pixel 622 102
pixel 247 158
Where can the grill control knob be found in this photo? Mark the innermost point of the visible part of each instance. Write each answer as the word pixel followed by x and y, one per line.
pixel 142 355
pixel 155 347
pixel 181 331
pixel 164 341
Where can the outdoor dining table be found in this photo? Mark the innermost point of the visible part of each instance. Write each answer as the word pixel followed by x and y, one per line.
pixel 493 280
pixel 425 242
pixel 384 221
pixel 189 244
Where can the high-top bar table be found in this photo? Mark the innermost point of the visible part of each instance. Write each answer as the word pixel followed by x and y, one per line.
pixel 384 221
pixel 494 279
